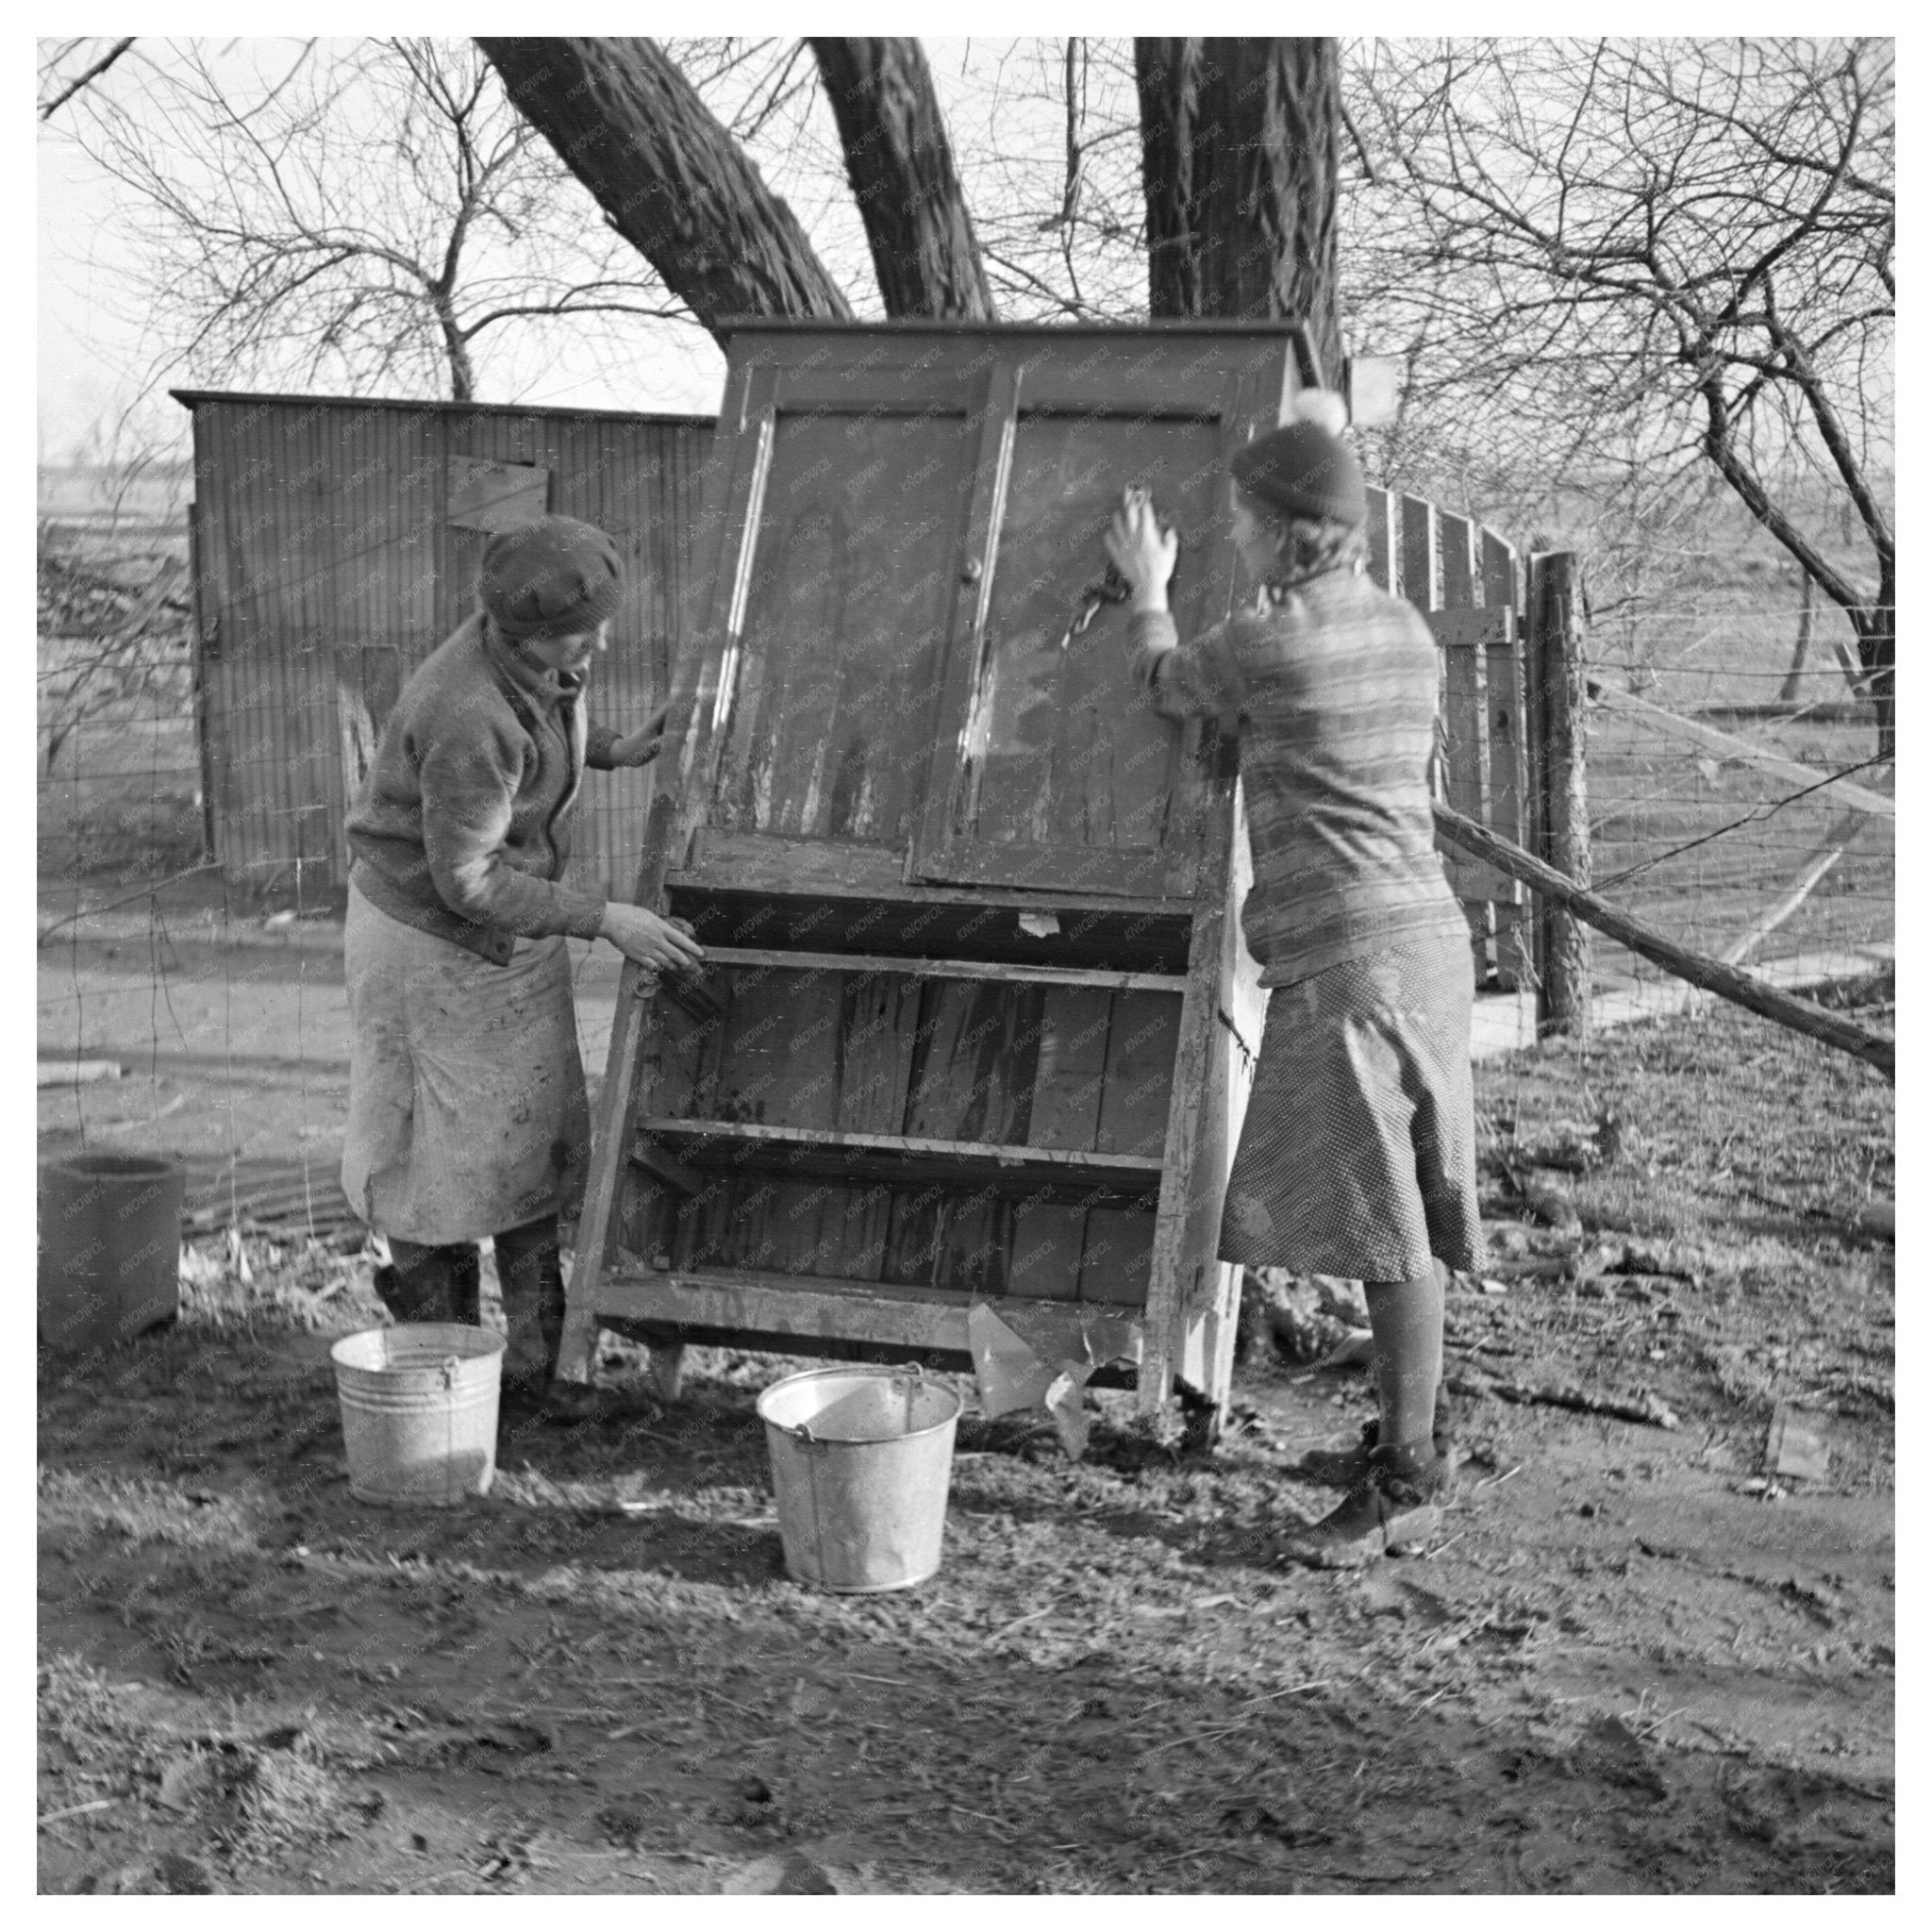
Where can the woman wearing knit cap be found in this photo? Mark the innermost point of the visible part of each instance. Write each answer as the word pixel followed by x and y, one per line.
pixel 1356 1156
pixel 467 1112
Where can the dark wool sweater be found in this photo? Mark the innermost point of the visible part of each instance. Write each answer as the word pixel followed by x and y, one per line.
pixel 462 826
pixel 1335 684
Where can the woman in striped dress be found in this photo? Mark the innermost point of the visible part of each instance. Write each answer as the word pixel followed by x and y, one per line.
pixel 1356 1156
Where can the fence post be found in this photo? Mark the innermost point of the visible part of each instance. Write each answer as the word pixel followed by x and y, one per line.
pixel 1555 660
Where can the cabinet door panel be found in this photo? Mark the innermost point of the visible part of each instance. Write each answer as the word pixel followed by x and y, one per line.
pixel 853 567
pixel 1062 777
pixel 1068 758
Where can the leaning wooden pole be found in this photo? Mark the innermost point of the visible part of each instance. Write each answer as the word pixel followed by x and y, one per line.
pixel 1713 976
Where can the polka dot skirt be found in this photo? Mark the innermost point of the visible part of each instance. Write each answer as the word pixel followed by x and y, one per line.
pixel 1358 1152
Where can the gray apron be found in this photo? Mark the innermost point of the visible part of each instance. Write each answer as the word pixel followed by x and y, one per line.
pixel 467 1112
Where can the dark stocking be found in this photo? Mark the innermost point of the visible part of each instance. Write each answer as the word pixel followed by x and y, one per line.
pixel 426 1283
pixel 529 1270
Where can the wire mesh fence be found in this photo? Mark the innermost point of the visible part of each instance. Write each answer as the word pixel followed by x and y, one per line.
pixel 1737 801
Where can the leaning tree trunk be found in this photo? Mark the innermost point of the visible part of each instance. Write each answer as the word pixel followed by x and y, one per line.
pixel 900 164
pixel 1240 160
pixel 673 180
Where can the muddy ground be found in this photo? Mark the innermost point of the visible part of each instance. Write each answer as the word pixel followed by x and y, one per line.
pixel 1635 1660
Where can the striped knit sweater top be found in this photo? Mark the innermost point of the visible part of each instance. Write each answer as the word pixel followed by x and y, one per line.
pixel 1334 684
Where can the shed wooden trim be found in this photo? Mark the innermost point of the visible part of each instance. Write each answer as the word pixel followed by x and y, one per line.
pixel 195 398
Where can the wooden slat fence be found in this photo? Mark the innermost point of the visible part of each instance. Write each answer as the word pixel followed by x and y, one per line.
pixel 1468 583
pixel 331 559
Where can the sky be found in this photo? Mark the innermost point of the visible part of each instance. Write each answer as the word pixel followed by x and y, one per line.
pixel 96 361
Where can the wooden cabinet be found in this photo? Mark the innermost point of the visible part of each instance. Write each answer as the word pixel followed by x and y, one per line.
pixel 979 1016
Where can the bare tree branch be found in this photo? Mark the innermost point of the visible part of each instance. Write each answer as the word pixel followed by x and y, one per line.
pixel 361 218
pixel 92 74
pixel 673 181
pixel 900 164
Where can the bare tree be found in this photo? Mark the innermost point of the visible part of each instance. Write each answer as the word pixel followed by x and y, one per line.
pixel 382 214
pixel 669 176
pixel 1641 264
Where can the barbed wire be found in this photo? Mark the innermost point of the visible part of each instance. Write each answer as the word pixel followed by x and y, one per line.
pixel 1756 816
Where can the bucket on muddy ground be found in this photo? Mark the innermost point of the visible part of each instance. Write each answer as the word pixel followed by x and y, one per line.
pixel 110 1242
pixel 861 1461
pixel 419 1410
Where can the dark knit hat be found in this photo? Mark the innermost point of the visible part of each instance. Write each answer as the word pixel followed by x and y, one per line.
pixel 556 577
pixel 1302 470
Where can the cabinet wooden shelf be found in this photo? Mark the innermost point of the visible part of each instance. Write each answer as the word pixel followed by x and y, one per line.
pixel 988 971
pixel 848 1320
pixel 1069 1173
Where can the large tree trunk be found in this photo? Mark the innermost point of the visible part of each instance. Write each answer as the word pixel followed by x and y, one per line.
pixel 1241 156
pixel 900 164
pixel 673 182
pixel 1166 73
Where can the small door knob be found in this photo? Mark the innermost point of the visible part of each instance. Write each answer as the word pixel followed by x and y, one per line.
pixel 971 571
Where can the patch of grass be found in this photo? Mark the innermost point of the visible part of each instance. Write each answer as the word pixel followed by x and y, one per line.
pixel 142 1512
pixel 251 1283
pixel 271 1798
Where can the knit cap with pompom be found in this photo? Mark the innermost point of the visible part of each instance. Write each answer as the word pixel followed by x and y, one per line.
pixel 1304 469
pixel 553 578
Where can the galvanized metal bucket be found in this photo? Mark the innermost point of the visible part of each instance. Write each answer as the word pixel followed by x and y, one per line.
pixel 110 1247
pixel 419 1410
pixel 861 1461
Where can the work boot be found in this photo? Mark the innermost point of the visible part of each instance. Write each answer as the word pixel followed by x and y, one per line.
pixel 1343 1468
pixel 1396 1506
pixel 422 1283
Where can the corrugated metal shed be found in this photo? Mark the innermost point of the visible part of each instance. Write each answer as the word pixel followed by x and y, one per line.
pixel 336 544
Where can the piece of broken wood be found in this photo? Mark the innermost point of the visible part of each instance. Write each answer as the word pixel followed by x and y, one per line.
pixel 1793 1448
pixel 74 1073
pixel 1641 1409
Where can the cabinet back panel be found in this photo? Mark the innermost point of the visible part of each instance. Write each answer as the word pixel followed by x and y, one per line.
pixel 1084 1069
pixel 966 1239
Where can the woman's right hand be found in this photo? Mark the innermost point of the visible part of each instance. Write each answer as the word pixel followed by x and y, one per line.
pixel 653 943
pixel 1142 552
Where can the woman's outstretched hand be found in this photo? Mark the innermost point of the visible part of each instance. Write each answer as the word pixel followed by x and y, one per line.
pixel 640 747
pixel 659 945
pixel 1141 551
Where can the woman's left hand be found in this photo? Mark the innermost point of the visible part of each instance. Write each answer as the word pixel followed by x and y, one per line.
pixel 640 747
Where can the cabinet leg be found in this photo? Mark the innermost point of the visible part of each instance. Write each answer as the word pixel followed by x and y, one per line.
pixel 665 1368
pixel 577 1344
pixel 1203 1418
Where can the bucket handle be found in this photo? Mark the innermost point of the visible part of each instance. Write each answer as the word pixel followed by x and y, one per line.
pixel 450 1365
pixel 913 1379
